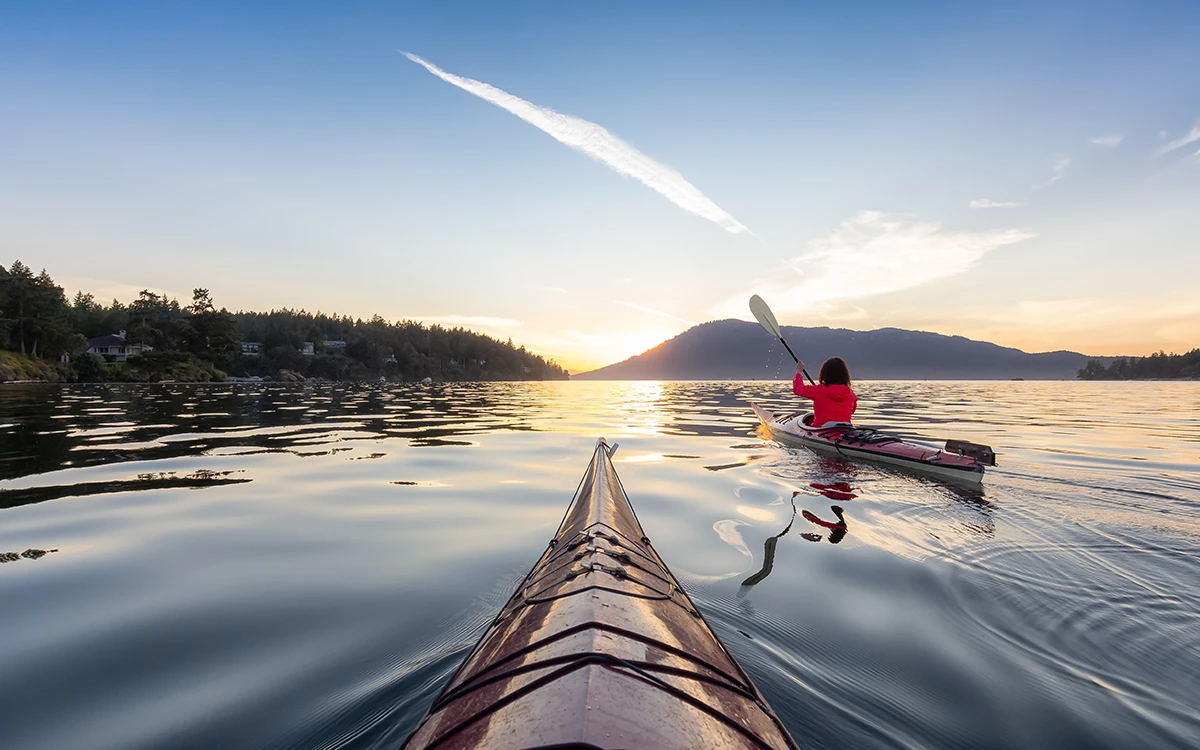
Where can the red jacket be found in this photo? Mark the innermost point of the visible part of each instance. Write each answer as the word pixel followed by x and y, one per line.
pixel 831 403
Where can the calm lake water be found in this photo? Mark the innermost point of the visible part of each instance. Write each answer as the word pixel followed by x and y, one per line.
pixel 269 566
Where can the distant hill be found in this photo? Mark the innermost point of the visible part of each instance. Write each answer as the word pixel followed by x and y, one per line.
pixel 737 350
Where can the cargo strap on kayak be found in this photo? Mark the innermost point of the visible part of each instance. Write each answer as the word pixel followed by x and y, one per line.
pixel 644 570
pixel 599 608
pixel 865 436
pixel 639 569
pixel 571 662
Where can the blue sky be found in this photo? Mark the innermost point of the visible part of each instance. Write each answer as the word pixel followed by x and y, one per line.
pixel 286 154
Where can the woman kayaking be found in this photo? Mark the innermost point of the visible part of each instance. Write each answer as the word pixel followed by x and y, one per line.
pixel 833 401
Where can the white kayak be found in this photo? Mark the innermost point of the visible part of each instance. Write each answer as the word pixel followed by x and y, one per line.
pixel 959 459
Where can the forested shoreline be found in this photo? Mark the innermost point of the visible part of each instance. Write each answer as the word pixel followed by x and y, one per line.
pixel 1158 366
pixel 43 336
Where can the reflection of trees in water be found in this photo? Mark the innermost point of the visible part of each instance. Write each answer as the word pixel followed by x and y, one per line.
pixel 49 427
pixel 56 425
pixel 35 442
pixel 150 481
pixel 51 422
pixel 29 554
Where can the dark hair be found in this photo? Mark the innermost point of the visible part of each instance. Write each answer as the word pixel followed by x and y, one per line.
pixel 834 372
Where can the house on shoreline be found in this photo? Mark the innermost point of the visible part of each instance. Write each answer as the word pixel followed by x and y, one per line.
pixel 255 348
pixel 115 348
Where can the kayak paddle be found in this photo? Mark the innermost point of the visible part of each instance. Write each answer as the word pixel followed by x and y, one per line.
pixel 764 316
pixel 769 550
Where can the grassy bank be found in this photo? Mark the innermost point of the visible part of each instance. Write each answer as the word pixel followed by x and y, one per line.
pixel 152 367
pixel 17 366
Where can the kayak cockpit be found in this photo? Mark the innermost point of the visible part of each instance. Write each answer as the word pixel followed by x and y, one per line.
pixel 959 459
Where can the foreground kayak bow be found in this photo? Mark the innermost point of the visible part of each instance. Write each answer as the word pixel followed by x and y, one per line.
pixel 599 647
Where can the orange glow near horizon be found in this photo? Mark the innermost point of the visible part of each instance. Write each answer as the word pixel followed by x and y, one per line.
pixel 1107 341
pixel 600 350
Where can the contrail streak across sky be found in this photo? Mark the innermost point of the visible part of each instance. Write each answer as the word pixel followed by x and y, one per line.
pixel 599 144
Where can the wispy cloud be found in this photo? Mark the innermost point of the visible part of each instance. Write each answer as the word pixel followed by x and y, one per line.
pixel 1060 170
pixel 985 203
pixel 1192 136
pixel 599 144
pixel 652 311
pixel 874 253
pixel 1109 141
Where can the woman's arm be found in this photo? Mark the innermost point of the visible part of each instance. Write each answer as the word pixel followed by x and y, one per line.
pixel 798 386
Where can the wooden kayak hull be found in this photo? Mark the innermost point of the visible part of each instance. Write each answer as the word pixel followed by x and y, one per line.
pixel 600 647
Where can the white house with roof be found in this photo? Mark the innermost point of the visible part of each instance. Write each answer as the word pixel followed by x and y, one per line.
pixel 115 348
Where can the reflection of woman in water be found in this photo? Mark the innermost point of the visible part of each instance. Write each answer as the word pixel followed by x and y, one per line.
pixel 838 527
pixel 837 491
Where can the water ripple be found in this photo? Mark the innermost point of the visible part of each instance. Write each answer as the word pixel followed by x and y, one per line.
pixel 267 565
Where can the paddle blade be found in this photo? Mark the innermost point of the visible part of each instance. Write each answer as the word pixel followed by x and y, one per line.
pixel 763 315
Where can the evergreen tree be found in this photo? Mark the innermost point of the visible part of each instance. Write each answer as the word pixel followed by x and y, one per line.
pixel 200 340
pixel 50 324
pixel 19 293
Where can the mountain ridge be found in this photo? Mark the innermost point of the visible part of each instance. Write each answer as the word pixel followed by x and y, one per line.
pixel 738 350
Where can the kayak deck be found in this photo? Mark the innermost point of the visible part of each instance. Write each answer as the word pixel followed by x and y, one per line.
pixel 600 647
pixel 872 445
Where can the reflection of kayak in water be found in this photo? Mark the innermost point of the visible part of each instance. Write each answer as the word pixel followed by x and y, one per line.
pixel 837 528
pixel 958 460
pixel 835 491
pixel 600 647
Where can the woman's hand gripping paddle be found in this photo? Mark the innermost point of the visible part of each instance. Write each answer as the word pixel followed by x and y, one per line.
pixel 763 315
